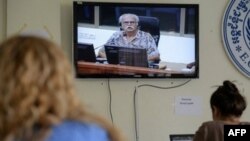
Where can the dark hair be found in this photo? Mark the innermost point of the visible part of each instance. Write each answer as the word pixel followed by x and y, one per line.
pixel 228 100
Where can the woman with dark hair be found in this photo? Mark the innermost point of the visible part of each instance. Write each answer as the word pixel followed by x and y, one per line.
pixel 37 96
pixel 227 106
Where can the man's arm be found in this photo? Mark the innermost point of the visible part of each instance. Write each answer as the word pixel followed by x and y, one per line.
pixel 101 53
pixel 111 41
pixel 153 52
pixel 155 57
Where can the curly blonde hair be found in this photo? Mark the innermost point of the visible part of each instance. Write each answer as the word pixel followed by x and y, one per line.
pixel 37 90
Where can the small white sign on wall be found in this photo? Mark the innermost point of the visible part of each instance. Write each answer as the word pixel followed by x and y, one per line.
pixel 188 105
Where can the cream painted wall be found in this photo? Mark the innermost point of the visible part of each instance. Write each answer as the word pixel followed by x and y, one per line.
pixel 2 19
pixel 156 115
pixel 34 17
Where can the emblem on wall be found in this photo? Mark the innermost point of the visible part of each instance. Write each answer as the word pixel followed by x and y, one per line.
pixel 236 34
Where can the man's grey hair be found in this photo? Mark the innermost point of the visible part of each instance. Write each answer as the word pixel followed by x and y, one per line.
pixel 121 18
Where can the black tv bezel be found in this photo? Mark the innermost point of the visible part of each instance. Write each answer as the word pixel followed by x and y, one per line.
pixel 139 4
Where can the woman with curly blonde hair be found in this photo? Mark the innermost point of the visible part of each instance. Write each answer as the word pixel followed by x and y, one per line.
pixel 37 96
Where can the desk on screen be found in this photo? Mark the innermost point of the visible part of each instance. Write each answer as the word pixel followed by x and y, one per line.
pixel 88 68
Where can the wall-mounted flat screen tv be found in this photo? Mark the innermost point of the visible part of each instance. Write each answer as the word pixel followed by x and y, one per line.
pixel 135 40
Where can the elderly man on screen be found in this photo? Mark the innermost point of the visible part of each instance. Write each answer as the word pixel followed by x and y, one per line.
pixel 131 36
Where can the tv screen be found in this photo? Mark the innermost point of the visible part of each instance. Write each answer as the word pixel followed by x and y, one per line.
pixel 163 37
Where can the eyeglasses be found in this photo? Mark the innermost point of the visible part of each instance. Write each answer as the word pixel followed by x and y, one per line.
pixel 129 22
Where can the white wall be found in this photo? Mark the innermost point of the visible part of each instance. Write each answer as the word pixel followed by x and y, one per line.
pixel 156 108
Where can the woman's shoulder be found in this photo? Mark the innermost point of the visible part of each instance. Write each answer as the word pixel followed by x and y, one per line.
pixel 222 123
pixel 218 125
pixel 212 126
pixel 209 131
pixel 77 131
pixel 213 123
pixel 245 123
